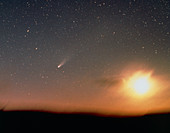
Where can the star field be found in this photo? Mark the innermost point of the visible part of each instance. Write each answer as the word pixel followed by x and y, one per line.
pixel 90 39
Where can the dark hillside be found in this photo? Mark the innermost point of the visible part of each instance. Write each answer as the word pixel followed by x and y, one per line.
pixel 25 121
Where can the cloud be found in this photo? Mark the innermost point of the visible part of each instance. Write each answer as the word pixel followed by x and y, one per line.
pixel 109 82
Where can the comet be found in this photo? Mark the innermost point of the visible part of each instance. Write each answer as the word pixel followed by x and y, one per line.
pixel 62 63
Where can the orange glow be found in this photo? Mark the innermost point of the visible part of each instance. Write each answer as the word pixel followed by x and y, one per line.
pixel 140 84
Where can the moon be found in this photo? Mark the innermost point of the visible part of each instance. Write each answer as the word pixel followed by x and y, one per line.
pixel 140 84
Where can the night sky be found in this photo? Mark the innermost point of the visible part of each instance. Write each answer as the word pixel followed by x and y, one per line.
pixel 67 55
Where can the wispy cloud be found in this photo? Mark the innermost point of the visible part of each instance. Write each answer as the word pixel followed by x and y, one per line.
pixel 109 82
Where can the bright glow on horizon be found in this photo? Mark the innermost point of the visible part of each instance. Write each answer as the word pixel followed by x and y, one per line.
pixel 140 84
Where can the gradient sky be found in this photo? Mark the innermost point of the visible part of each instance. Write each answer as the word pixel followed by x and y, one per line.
pixel 67 55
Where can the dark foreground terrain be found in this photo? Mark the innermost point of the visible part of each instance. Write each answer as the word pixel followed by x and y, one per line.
pixel 31 121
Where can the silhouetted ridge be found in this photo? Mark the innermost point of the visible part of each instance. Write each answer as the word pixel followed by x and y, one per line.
pixel 29 121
